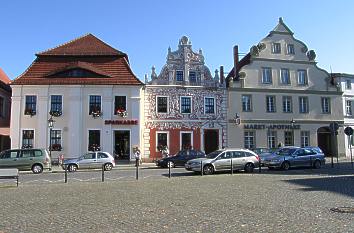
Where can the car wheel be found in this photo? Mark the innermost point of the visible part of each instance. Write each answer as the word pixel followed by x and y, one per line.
pixel 285 166
pixel 208 170
pixel 108 167
pixel 249 167
pixel 170 164
pixel 72 168
pixel 37 168
pixel 317 164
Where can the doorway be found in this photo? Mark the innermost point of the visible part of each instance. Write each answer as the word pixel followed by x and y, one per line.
pixel 326 141
pixel 211 140
pixel 122 144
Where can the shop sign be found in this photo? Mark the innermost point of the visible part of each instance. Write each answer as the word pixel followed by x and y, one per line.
pixel 261 126
pixel 121 122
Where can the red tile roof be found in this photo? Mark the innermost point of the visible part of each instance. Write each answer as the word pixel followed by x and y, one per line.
pixel 87 53
pixel 3 77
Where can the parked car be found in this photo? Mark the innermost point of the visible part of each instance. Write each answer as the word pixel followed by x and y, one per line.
pixel 180 158
pixel 263 150
pixel 242 159
pixel 288 157
pixel 26 159
pixel 90 160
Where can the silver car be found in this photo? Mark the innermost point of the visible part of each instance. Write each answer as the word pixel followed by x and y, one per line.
pixel 90 160
pixel 242 159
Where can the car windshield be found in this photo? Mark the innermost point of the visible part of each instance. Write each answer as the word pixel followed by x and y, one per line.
pixel 214 154
pixel 285 151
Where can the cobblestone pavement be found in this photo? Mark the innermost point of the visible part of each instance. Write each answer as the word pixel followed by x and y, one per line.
pixel 292 201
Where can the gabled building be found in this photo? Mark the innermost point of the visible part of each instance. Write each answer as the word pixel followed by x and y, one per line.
pixel 5 107
pixel 278 95
pixel 184 106
pixel 89 90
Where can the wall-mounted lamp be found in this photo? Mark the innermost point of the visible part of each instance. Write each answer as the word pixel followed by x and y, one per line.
pixel 237 119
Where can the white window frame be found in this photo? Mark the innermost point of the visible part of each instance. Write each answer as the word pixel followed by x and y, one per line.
pixel 24 104
pixel 248 136
pixel 282 76
pixel 88 103
pixel 348 107
pixel 275 48
pixel 290 51
pixel 157 104
pixel 269 97
pixel 209 97
pixel 265 78
pixel 168 139
pixel 62 103
pixel 305 138
pixel 34 136
pixel 300 77
pixel 180 104
pixel 301 104
pixel 348 84
pixel 61 139
pixel 189 76
pixel 249 101
pixel 114 103
pixel 272 135
pixel 287 104
pixel 180 138
pixel 88 138
pixel 326 105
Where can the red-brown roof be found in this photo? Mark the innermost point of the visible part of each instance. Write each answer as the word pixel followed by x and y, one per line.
pixel 106 65
pixel 3 77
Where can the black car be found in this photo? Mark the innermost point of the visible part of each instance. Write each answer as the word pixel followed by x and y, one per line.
pixel 180 158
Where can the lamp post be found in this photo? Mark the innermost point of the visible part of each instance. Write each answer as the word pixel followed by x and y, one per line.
pixel 50 126
pixel 292 122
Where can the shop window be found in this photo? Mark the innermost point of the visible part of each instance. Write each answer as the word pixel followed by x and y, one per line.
pixel 305 138
pixel 55 139
pixel 162 141
pixel 249 139
pixel 186 141
pixel 94 140
pixel 288 138
pixel 27 139
pixel 272 139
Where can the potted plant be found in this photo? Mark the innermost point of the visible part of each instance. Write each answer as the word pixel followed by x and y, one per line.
pixel 96 113
pixel 55 113
pixel 56 147
pixel 30 111
pixel 121 112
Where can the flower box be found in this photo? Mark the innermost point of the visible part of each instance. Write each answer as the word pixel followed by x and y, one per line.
pixel 30 112
pixel 55 113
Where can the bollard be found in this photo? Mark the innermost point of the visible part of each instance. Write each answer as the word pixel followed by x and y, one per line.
pixel 201 168
pixel 66 174
pixel 259 164
pixel 137 168
pixel 103 173
pixel 311 164
pixel 169 169
pixel 232 168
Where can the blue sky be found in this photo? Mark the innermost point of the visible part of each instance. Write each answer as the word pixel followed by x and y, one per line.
pixel 145 29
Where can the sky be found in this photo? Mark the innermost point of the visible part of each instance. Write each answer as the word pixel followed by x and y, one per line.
pixel 145 29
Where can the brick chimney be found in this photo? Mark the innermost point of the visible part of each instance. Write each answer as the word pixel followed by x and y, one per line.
pixel 222 78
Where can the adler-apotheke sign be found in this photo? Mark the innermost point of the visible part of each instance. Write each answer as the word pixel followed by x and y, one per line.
pixel 271 126
pixel 121 122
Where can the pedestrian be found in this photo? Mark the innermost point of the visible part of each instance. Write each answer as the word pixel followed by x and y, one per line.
pixel 137 155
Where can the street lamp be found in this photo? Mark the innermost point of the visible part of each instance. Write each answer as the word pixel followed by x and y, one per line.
pixel 50 125
pixel 292 122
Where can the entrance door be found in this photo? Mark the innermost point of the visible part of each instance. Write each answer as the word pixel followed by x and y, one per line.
pixel 325 141
pixel 122 144
pixel 211 140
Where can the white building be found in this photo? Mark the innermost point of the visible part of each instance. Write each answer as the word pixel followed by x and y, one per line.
pixel 89 90
pixel 278 95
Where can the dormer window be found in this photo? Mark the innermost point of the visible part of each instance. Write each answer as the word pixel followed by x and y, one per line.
pixel 179 76
pixel 192 77
pixel 276 48
pixel 77 73
pixel 290 49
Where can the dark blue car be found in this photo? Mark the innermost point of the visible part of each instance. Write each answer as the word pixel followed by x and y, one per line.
pixel 180 158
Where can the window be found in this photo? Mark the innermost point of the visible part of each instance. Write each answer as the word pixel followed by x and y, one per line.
pixel 186 103
pixel 120 104
pixel 27 154
pixel 10 154
pixel 30 107
pixel 186 141
pixel 162 104
pixel 94 140
pixel 348 107
pixel 192 77
pixel 209 105
pixel 249 140
pixel 270 104
pixel 2 107
pixel 95 104
pixel 288 138
pixel 266 75
pixel 55 140
pixel 162 141
pixel 284 76
pixel 348 84
pixel 27 139
pixel 326 105
pixel 246 103
pixel 290 49
pixel 301 77
pixel 305 138
pixel 303 104
pixel 272 139
pixel 56 104
pixel 101 155
pixel 179 76
pixel 287 104
pixel 276 48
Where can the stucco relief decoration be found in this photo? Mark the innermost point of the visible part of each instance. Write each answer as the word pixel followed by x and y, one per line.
pixel 254 51
pixel 311 55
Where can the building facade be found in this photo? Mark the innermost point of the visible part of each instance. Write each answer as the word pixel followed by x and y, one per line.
pixel 184 106
pixel 5 110
pixel 90 92
pixel 346 84
pixel 278 96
